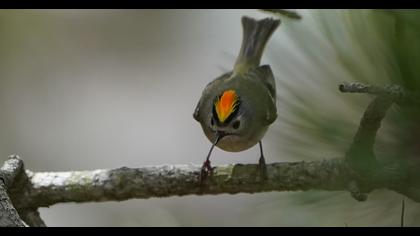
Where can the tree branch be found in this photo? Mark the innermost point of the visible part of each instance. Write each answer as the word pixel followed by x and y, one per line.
pixel 367 172
pixel 32 217
pixel 394 91
pixel 48 188
pixel 9 217
pixel 11 170
pixel 8 214
pixel 361 154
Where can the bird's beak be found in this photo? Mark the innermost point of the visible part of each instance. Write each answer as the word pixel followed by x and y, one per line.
pixel 220 135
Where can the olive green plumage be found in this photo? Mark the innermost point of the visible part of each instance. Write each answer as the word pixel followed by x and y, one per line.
pixel 254 86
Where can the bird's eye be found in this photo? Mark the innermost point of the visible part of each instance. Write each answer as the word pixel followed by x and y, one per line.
pixel 236 124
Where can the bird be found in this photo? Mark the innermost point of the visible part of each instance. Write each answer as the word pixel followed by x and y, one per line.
pixel 236 109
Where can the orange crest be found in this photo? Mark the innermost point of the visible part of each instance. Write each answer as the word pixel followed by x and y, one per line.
pixel 226 104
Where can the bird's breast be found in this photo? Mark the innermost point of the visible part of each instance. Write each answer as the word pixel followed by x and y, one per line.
pixel 236 143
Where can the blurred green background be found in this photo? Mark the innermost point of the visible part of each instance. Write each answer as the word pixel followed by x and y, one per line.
pixel 92 89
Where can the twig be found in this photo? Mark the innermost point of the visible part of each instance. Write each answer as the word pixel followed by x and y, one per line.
pixel 396 92
pixel 282 12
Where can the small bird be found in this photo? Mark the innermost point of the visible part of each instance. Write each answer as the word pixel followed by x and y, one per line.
pixel 236 109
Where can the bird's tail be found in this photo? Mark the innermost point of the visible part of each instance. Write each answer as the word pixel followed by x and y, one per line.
pixel 255 36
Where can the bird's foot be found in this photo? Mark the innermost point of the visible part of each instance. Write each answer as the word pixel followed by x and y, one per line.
pixel 206 170
pixel 262 169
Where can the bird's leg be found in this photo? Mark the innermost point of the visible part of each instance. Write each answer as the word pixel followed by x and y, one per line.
pixel 207 169
pixel 262 167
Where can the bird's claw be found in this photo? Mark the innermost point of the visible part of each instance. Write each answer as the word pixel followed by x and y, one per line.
pixel 206 170
pixel 262 169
